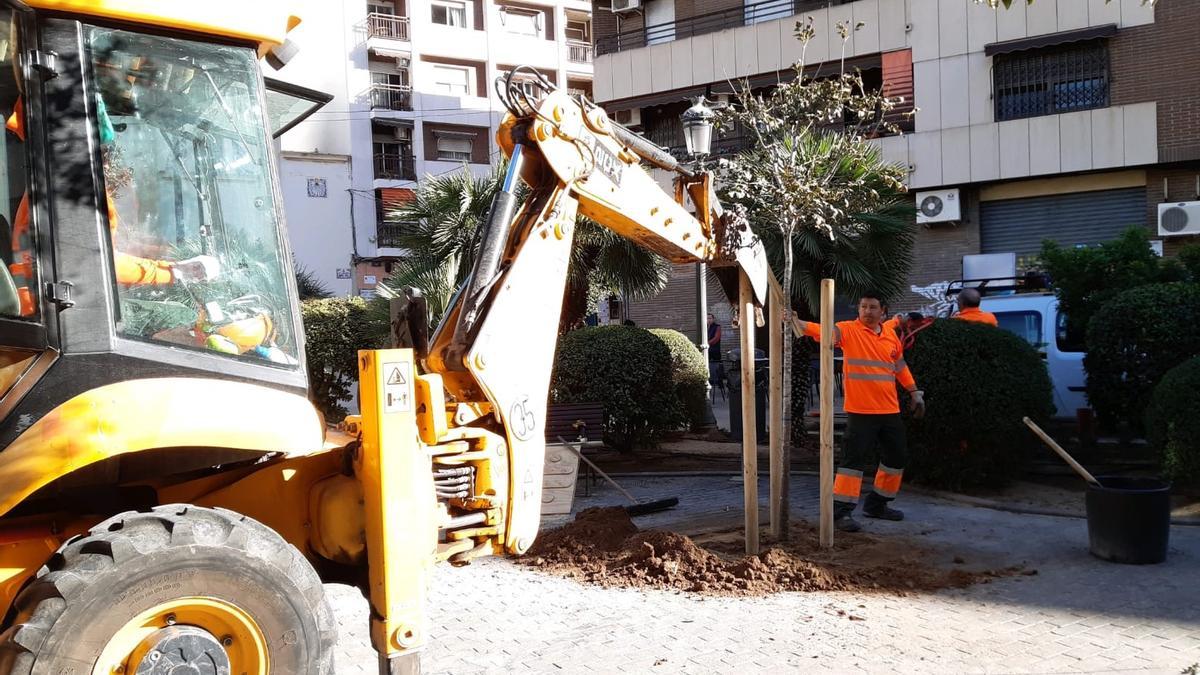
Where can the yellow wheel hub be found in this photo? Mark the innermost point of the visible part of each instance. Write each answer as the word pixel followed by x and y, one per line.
pixel 187 636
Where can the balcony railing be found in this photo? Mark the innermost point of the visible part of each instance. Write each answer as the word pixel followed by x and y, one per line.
pixel 387 234
pixel 579 52
pixel 391 97
pixel 395 167
pixel 387 26
pixel 745 15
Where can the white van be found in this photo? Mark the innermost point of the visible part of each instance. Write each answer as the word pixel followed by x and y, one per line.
pixel 1035 317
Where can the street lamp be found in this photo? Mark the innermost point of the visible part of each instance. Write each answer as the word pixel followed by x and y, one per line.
pixel 697 134
pixel 698 128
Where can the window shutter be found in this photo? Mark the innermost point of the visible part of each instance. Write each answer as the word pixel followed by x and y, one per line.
pixel 898 82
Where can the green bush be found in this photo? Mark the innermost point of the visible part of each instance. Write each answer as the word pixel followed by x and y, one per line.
pixel 1172 425
pixel 979 383
pixel 1133 341
pixel 1085 278
pixel 689 374
pixel 334 330
pixel 627 369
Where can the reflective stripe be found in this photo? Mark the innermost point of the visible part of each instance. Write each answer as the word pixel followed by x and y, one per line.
pixel 890 377
pixel 868 363
pixel 887 481
pixel 847 484
pixel 900 365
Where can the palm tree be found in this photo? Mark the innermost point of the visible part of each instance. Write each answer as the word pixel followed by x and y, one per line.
pixel 440 232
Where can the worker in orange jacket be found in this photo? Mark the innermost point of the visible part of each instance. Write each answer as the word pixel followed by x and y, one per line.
pixel 968 308
pixel 129 269
pixel 873 362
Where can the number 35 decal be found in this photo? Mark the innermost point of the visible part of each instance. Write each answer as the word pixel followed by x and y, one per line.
pixel 521 420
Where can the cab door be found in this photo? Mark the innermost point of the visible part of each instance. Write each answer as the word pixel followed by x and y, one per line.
pixel 28 338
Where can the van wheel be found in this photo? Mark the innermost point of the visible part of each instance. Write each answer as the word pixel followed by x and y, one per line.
pixel 177 589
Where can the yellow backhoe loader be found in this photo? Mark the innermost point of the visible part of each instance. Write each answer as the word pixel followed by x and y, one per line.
pixel 170 501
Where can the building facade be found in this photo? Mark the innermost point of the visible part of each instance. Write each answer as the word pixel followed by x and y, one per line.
pixel 415 95
pixel 1064 119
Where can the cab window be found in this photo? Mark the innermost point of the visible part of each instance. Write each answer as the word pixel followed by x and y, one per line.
pixel 191 212
pixel 1068 341
pixel 1026 325
pixel 19 277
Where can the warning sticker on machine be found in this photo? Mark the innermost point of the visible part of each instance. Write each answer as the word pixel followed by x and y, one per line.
pixel 397 387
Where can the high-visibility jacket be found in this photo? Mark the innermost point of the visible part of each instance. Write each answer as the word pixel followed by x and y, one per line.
pixel 872 363
pixel 977 315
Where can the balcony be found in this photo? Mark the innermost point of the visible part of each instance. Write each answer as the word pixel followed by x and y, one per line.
pixel 391 97
pixel 579 52
pixel 388 27
pixel 749 14
pixel 387 234
pixel 395 167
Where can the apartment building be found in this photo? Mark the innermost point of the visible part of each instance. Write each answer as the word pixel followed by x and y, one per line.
pixel 414 96
pixel 1063 119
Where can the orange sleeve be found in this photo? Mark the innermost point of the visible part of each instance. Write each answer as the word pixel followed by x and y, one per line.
pixel 16 121
pixel 906 379
pixel 812 329
pixel 132 269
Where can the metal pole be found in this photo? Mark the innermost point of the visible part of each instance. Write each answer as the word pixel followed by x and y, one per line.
pixel 749 435
pixel 702 340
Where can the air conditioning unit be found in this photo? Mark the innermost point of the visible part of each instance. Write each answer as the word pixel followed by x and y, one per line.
pixel 625 6
pixel 403 133
pixel 939 206
pixel 1178 218
pixel 628 118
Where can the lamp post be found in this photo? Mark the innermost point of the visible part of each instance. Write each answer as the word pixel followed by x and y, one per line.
pixel 697 135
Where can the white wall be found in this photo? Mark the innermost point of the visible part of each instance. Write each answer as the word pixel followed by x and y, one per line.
pixel 319 227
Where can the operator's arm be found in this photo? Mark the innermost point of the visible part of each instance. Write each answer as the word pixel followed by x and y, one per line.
pixel 134 270
pixel 917 397
pixel 812 329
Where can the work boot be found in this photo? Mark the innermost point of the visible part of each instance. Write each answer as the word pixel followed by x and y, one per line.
pixel 841 518
pixel 877 507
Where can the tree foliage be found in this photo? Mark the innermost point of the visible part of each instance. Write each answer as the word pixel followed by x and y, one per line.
pixel 334 330
pixel 689 376
pixel 1086 278
pixel 627 369
pixel 979 382
pixel 1133 341
pixel 1172 425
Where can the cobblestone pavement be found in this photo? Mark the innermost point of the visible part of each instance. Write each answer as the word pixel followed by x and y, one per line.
pixel 1077 614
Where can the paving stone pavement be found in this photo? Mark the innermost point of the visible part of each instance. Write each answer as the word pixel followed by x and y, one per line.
pixel 1076 615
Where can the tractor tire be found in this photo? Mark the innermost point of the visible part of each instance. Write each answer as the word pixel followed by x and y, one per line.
pixel 198 589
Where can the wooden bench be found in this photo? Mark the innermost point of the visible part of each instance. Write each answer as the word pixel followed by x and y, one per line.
pixel 581 425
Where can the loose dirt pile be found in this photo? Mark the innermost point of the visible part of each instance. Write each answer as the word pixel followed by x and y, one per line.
pixel 603 546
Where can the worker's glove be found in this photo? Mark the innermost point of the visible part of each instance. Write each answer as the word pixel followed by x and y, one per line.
pixel 200 268
pixel 917 403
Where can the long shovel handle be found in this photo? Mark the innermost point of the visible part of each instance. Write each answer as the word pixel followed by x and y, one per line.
pixel 1061 453
pixel 598 470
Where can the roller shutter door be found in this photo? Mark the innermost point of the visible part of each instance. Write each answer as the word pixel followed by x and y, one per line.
pixel 1020 225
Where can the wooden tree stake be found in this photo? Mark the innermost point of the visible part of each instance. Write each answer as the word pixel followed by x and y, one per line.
pixel 826 413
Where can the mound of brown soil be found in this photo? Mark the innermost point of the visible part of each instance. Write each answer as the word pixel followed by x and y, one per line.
pixel 603 546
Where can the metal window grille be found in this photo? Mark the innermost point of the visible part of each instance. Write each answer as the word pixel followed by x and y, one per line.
pixel 1051 81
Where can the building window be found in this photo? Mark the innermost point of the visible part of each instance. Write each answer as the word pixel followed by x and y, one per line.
pixel 455 148
pixel 450 13
pixel 579 30
pixel 453 80
pixel 381 8
pixel 1050 81
pixel 521 21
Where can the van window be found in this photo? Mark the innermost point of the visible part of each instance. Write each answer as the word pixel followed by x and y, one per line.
pixel 1026 324
pixel 1067 340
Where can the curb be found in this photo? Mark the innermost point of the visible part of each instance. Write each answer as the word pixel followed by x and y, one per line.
pixel 939 494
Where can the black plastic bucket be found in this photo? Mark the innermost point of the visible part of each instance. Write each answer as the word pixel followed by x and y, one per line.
pixel 1129 519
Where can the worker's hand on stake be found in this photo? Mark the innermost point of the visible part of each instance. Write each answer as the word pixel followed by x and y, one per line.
pixel 917 404
pixel 200 268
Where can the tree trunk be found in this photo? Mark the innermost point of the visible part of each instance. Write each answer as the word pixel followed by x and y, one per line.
pixel 574 307
pixel 787 379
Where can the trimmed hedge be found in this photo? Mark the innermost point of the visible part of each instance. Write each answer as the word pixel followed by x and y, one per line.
pixel 1172 422
pixel 1133 341
pixel 628 369
pixel 334 330
pixel 689 375
pixel 979 383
